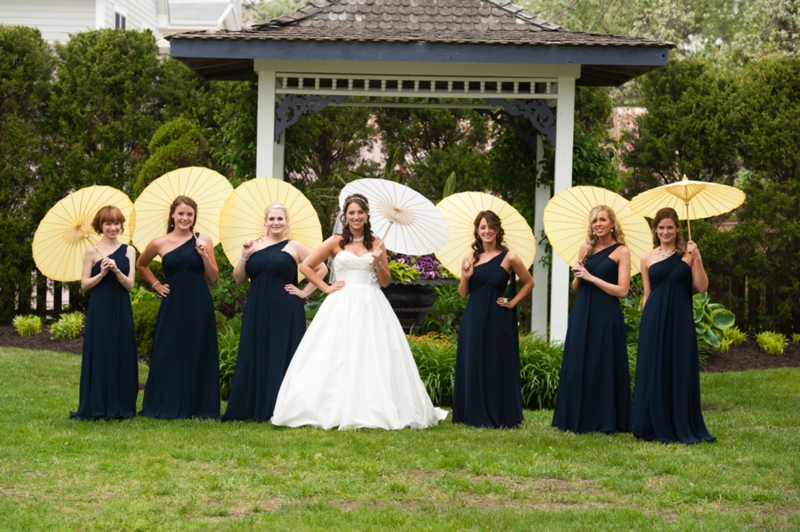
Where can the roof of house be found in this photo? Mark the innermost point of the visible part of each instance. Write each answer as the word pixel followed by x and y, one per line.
pixel 470 24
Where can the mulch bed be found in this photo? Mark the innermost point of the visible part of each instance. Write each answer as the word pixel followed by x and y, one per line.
pixel 10 338
pixel 746 356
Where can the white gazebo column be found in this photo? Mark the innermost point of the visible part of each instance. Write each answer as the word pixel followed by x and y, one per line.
pixel 269 154
pixel 565 116
pixel 541 272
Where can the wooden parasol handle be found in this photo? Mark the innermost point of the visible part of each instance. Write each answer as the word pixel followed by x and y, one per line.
pixel 372 259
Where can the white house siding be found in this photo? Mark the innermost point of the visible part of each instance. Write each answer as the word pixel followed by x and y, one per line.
pixel 56 19
pixel 139 14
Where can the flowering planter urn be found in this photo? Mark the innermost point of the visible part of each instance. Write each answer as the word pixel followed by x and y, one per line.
pixel 413 300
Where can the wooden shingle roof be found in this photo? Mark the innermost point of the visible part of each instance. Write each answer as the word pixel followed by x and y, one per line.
pixel 437 22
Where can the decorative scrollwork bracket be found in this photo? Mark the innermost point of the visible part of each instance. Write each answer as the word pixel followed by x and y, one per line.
pixel 536 111
pixel 293 107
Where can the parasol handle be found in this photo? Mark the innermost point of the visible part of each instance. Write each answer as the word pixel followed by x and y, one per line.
pixel 688 222
pixel 372 259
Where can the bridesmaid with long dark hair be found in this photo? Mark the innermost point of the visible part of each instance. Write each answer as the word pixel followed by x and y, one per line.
pixel 109 367
pixel 274 320
pixel 594 387
pixel 184 367
pixel 487 389
pixel 666 399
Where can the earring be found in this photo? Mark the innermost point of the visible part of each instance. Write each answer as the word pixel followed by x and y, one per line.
pixel 287 230
pixel 346 223
pixel 594 234
pixel 612 229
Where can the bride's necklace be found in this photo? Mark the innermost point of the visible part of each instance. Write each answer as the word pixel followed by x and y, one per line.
pixel 358 240
pixel 665 255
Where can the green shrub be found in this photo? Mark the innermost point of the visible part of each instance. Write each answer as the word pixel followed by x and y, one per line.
pixel 403 272
pixel 796 338
pixel 311 308
pixel 27 325
pixel 710 322
pixel 447 311
pixel 228 340
pixel 221 320
pixel 734 336
pixel 145 313
pixel 68 327
pixel 772 343
pixel 724 345
pixel 435 356
pixel 540 365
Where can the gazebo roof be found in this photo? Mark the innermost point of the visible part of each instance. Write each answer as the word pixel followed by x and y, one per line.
pixel 481 30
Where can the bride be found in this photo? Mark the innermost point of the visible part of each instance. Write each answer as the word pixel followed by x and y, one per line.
pixel 353 368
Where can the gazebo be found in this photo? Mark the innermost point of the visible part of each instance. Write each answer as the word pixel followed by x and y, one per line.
pixel 482 54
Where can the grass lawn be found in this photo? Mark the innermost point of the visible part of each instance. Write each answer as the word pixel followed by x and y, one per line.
pixel 144 474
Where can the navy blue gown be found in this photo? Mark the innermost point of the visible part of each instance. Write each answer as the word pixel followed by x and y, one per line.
pixel 486 391
pixel 273 324
pixel 109 367
pixel 594 387
pixel 184 367
pixel 666 398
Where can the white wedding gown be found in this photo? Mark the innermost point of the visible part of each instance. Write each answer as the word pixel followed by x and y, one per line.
pixel 353 368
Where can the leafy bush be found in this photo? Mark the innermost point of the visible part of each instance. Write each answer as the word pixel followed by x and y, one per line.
pixel 229 298
pixel 435 355
pixel 734 336
pixel 27 325
pixel 402 271
pixel 228 339
pixel 145 313
pixel 710 321
pixel 69 326
pixel 772 343
pixel 796 338
pixel 540 365
pixel 447 311
pixel 311 308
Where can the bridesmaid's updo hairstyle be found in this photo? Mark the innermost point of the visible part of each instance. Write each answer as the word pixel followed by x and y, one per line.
pixel 277 207
pixel 616 233
pixel 347 236
pixel 669 213
pixel 181 200
pixel 494 222
pixel 111 214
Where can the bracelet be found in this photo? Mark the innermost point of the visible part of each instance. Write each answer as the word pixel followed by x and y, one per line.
pixel 379 266
pixel 243 258
pixel 155 283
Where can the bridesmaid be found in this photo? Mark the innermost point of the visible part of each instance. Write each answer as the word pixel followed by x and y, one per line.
pixel 184 367
pixel 666 400
pixel 487 384
pixel 109 368
pixel 274 320
pixel 594 388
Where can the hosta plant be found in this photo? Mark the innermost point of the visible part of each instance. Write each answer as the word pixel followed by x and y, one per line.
pixel 710 321
pixel 772 343
pixel 68 327
pixel 27 325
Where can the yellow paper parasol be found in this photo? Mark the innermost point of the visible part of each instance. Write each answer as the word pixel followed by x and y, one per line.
pixel 206 187
pixel 242 215
pixel 65 232
pixel 460 211
pixel 406 221
pixel 566 222
pixel 692 200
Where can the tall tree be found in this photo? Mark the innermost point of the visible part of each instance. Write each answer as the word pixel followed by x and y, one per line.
pixel 26 67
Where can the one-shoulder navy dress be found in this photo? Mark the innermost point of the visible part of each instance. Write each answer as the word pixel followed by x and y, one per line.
pixel 184 367
pixel 109 367
pixel 666 398
pixel 273 324
pixel 594 387
pixel 487 383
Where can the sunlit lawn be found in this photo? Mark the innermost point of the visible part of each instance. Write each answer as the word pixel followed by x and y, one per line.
pixel 144 474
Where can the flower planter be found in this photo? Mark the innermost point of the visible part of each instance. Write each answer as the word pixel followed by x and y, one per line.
pixel 413 300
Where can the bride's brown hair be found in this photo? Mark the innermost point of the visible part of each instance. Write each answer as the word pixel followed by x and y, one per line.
pixel 347 236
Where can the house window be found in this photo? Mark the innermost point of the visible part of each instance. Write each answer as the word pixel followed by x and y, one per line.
pixel 119 21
